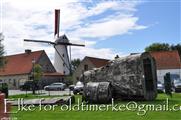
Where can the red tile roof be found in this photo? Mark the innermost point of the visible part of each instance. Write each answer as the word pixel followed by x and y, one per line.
pixel 53 74
pixel 20 63
pixel 98 62
pixel 167 59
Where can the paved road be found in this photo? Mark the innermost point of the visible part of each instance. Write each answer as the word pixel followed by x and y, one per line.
pixel 17 92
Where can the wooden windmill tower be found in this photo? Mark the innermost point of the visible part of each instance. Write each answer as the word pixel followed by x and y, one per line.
pixel 62 59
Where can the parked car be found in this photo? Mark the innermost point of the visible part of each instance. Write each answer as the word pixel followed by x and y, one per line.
pixel 28 85
pixel 78 88
pixel 55 86
pixel 177 85
pixel 71 87
pixel 160 87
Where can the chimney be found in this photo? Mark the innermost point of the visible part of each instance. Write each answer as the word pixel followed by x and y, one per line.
pixel 28 51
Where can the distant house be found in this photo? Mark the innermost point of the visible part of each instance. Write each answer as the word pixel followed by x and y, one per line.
pixel 167 61
pixel 19 68
pixel 88 63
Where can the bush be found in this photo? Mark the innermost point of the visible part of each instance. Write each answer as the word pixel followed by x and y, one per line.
pixel 4 88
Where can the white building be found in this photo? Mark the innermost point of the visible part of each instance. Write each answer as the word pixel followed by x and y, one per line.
pixel 167 61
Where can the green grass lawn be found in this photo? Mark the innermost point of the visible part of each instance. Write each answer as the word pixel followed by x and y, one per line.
pixel 106 115
pixel 31 96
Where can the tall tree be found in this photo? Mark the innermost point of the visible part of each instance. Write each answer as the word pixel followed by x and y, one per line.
pixel 158 47
pixel 37 75
pixel 75 63
pixel 176 47
pixel 2 58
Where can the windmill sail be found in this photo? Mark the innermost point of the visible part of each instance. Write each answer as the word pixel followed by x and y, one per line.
pixel 57 23
pixel 41 41
pixel 61 59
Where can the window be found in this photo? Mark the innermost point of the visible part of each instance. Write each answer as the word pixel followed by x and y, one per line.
pixel 85 67
pixel 47 67
pixel 64 64
pixel 9 81
pixel 14 82
pixel 64 72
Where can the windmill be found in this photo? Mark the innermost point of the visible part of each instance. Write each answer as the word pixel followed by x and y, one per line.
pixel 62 58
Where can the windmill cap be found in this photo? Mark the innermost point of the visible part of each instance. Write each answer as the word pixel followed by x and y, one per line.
pixel 62 38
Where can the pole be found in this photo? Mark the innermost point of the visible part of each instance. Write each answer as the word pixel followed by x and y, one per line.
pixel 33 61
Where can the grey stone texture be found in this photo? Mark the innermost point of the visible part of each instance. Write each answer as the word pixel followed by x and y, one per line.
pixel 131 77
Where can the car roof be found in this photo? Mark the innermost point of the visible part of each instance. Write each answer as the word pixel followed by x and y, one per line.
pixel 57 83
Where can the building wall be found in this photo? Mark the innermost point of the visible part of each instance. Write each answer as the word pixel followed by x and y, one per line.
pixel 14 81
pixel 80 69
pixel 161 73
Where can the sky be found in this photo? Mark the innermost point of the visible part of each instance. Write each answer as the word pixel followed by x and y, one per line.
pixel 108 28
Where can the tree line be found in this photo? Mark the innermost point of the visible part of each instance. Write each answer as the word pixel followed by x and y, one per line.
pixel 163 47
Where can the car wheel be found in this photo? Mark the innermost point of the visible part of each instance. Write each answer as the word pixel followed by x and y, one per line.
pixel 177 90
pixel 75 93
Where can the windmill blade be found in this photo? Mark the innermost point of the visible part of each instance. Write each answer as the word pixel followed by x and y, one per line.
pixel 71 44
pixel 81 45
pixel 57 23
pixel 70 59
pixel 40 41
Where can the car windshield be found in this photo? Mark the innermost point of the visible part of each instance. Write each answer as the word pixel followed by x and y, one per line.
pixel 57 84
pixel 159 82
pixel 177 81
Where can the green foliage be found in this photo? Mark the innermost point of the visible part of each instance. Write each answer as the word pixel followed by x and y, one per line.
pixel 4 88
pixel 158 47
pixel 37 75
pixel 75 63
pixel 32 96
pixel 168 84
pixel 2 58
pixel 176 47
pixel 57 114
pixel 69 80
pixel 37 72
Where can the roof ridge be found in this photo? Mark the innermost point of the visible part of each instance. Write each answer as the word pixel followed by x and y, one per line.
pixel 164 51
pixel 24 53
pixel 96 58
pixel 20 63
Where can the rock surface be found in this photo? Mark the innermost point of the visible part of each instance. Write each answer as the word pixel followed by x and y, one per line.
pixel 132 77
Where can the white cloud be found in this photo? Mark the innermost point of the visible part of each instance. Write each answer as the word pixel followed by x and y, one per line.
pixel 106 53
pixel 117 26
pixel 34 19
pixel 113 5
